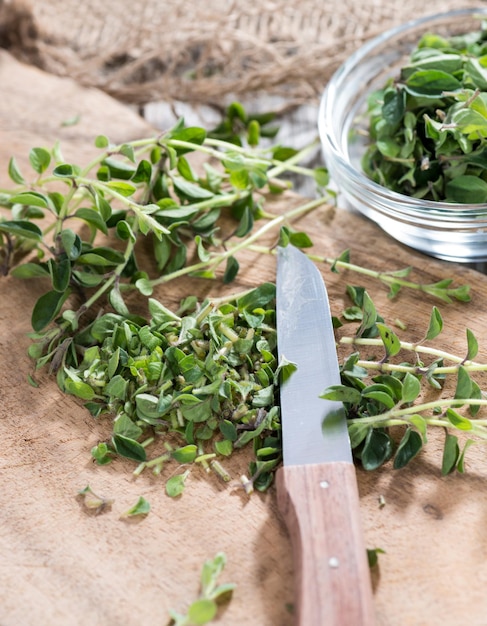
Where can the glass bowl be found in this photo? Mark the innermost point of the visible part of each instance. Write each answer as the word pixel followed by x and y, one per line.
pixel 453 232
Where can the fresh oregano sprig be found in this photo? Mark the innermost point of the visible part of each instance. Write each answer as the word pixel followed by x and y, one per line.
pixel 204 609
pixel 143 188
pixel 395 280
pixel 380 394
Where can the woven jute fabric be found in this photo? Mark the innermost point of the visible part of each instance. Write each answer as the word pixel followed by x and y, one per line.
pixel 200 51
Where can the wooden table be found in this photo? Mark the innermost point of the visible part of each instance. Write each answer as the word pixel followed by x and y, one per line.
pixel 61 567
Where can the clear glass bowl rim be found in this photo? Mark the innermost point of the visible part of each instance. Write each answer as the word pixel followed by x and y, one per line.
pixel 329 132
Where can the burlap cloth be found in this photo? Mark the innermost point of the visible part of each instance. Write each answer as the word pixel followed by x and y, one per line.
pixel 204 51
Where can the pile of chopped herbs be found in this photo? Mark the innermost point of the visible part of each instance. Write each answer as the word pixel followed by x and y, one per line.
pixel 428 125
pixel 210 377
pixel 195 385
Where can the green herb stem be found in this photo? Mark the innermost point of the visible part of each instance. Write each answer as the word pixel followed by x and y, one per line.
pixel 107 284
pixel 279 166
pixel 478 426
pixel 418 348
pixel 389 278
pixel 397 413
pixel 439 370
pixel 246 243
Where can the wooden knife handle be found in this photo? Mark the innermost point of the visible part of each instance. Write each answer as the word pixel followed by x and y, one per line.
pixel 320 505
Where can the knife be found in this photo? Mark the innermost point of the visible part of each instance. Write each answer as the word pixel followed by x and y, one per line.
pixel 317 486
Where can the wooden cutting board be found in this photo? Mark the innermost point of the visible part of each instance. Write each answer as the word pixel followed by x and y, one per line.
pixel 61 567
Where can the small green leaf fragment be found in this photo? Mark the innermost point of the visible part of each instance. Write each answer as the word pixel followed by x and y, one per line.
pixel 29 270
pixel 321 176
pixel 128 151
pixel 124 231
pixel 457 420
pixel 46 308
pixel 60 272
pixel 71 243
pixel 225 447
pixel 129 448
pixel 431 83
pixel 32 382
pixel 40 159
pixel 357 433
pixel 464 384
pixel 93 218
pixel 342 393
pixel 71 121
pixel 175 484
pixel 202 611
pixel 467 189
pixel 435 324
pixel 373 556
pixel 14 172
pixel 300 240
pixel 411 443
pixel 228 430
pixel 451 453
pixel 117 302
pixel 144 286
pixel 140 508
pixel 461 458
pixel 79 388
pixel 369 314
pixel 101 141
pixel 21 228
pixel 190 190
pixel 420 424
pixel 411 388
pixel 472 345
pixel 123 425
pixel 379 396
pixel 390 340
pixel 185 454
pixel 102 454
pixel 64 170
pixel 121 187
pixel 92 502
pixel 231 270
pixel 378 449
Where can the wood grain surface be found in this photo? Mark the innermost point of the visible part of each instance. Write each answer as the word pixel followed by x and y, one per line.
pixel 61 567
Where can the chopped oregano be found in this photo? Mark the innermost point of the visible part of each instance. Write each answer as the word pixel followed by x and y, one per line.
pixel 373 556
pixel 94 503
pixel 140 508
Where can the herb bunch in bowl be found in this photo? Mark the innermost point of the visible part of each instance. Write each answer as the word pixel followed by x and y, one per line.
pixel 428 126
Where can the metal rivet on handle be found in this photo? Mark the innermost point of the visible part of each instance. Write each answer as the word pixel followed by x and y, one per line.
pixel 333 562
pixel 324 484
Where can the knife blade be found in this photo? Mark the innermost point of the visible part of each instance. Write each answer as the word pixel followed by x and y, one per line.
pixel 317 487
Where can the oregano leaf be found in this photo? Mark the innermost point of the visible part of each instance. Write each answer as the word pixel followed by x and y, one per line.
pixel 390 340
pixel 15 173
pixel 231 269
pixel 411 388
pixel 472 345
pixel 411 443
pixel 435 324
pixel 451 453
pixel 46 308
